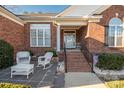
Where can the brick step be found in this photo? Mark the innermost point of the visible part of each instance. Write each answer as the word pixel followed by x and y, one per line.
pixel 79 54
pixel 83 67
pixel 73 52
pixel 80 65
pixel 88 69
pixel 77 70
pixel 80 69
pixel 74 56
pixel 77 61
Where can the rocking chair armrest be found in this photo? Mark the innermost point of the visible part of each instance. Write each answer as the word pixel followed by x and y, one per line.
pixel 43 62
pixel 41 58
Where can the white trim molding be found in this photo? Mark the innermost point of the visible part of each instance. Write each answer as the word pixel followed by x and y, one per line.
pixel 9 15
pixel 40 28
pixel 58 38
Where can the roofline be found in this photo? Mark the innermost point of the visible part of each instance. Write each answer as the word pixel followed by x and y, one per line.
pixel 100 9
pixel 97 11
pixel 7 10
pixel 67 9
pixel 8 14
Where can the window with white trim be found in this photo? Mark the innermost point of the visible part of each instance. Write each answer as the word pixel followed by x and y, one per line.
pixel 40 35
pixel 114 33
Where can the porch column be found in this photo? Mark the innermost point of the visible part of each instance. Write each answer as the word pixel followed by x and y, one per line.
pixel 58 38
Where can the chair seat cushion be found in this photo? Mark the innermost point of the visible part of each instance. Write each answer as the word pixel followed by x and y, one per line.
pixel 42 59
pixel 23 66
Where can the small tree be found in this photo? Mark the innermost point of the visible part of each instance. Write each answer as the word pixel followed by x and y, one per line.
pixel 6 54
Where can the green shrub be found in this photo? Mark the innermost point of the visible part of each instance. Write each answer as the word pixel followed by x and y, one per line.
pixel 6 54
pixel 31 53
pixel 54 52
pixel 11 85
pixel 115 84
pixel 110 61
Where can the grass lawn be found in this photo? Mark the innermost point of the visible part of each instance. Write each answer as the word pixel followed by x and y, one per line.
pixel 115 84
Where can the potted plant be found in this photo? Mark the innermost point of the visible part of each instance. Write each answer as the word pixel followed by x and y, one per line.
pixel 55 56
pixel 31 53
pixel 33 57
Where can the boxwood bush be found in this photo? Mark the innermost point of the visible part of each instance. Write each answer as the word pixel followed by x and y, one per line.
pixel 110 61
pixel 11 85
pixel 6 54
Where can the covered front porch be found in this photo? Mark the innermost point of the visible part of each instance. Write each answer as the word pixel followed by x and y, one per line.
pixel 70 37
pixel 70 30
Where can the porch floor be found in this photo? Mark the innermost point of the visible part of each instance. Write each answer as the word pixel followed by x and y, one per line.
pixel 40 77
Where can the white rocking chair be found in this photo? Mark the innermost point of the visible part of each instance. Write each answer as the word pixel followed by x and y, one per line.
pixel 45 60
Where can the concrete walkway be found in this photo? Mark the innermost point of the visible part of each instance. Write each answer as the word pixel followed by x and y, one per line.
pixel 82 79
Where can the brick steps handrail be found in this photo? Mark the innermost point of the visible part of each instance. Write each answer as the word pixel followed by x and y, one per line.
pixel 88 56
pixel 65 58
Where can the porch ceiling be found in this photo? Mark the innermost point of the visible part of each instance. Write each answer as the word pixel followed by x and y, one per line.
pixel 70 27
pixel 72 23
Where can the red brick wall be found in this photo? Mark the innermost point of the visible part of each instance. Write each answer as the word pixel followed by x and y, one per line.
pixel 97 31
pixel 13 33
pixel 40 50
pixel 83 32
pixel 78 35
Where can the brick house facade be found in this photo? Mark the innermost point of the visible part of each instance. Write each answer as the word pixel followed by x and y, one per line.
pixel 90 31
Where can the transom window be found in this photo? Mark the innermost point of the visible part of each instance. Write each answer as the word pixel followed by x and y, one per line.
pixel 40 35
pixel 114 33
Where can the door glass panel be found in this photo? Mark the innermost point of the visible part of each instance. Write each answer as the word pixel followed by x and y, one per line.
pixel 70 40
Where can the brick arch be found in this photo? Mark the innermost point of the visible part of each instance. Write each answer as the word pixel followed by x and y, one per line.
pixel 110 13
pixel 115 18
